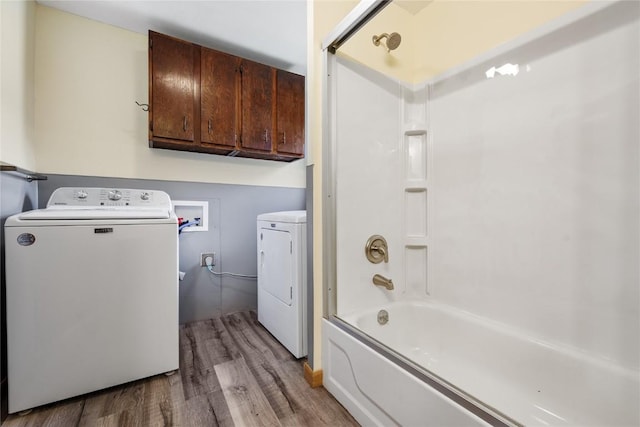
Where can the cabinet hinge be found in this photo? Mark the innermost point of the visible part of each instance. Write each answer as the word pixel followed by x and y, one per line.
pixel 291 292
pixel 150 42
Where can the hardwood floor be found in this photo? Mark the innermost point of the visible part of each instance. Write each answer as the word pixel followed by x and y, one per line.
pixel 232 372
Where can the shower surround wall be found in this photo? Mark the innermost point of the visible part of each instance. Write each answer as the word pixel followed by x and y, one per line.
pixel 381 185
pixel 514 198
pixel 368 201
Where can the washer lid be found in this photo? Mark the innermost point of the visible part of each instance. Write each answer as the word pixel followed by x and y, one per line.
pixel 82 213
pixel 286 216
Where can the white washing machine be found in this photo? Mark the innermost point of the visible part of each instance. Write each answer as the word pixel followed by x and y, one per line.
pixel 92 293
pixel 282 278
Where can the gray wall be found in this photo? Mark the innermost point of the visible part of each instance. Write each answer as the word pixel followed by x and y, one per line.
pixel 16 195
pixel 232 236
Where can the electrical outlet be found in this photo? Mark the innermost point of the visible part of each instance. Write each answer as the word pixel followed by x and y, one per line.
pixel 203 259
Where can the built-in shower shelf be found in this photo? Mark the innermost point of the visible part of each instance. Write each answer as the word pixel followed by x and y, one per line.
pixel 416 242
pixel 415 128
pixel 415 186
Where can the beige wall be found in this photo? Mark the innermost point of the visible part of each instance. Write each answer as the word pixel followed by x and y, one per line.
pixel 17 146
pixel 445 33
pixel 451 32
pixel 87 79
pixel 322 17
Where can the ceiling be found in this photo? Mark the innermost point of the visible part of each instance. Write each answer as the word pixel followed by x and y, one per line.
pixel 412 6
pixel 273 32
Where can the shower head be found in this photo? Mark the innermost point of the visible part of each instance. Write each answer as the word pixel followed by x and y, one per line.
pixel 393 40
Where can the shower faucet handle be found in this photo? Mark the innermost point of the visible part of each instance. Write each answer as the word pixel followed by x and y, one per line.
pixel 376 249
pixel 382 250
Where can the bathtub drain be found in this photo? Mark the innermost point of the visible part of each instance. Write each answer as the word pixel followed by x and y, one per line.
pixel 383 317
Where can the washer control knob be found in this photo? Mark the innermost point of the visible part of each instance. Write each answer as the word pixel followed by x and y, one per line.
pixel 144 195
pixel 81 194
pixel 114 195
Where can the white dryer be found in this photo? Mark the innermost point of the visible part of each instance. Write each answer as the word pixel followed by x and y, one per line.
pixel 92 293
pixel 282 278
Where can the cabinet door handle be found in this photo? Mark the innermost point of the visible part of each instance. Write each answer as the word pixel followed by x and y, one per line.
pixel 266 135
pixel 284 138
pixel 209 125
pixel 184 123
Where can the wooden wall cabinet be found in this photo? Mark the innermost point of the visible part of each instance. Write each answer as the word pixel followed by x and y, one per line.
pixel 289 113
pixel 173 79
pixel 218 98
pixel 257 96
pixel 208 101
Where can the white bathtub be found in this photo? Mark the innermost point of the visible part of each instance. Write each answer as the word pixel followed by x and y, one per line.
pixel 529 381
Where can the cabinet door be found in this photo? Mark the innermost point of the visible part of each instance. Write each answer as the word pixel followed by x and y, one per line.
pixel 172 73
pixel 218 97
pixel 290 113
pixel 257 106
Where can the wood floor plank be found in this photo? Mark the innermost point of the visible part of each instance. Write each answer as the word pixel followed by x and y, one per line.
pixel 62 414
pixel 158 408
pixel 209 410
pixel 94 408
pixel 125 418
pixel 247 403
pixel 102 404
pixel 177 398
pixel 65 415
pixel 318 407
pixel 107 421
pixel 128 397
pixel 258 359
pixel 215 338
pixel 199 353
